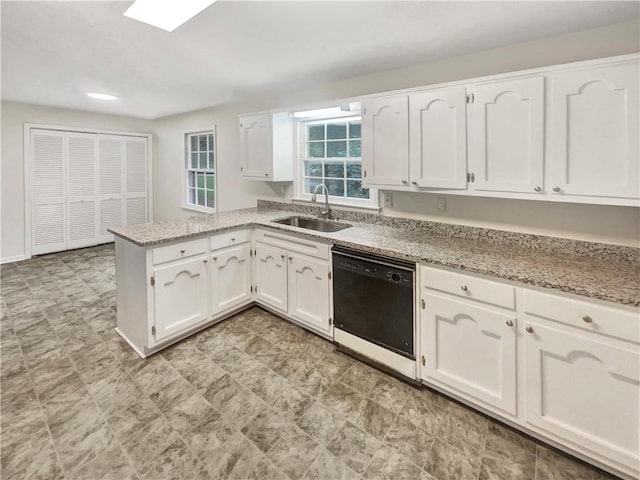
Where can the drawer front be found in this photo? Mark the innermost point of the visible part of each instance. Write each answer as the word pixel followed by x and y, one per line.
pixel 472 288
pixel 228 239
pixel 179 250
pixel 611 321
pixel 292 243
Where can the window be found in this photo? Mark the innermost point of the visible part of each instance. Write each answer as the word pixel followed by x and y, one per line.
pixel 331 154
pixel 200 171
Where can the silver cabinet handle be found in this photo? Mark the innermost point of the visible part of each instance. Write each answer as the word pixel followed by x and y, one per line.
pixel 587 319
pixel 538 189
pixel 529 329
pixel 464 288
pixel 556 189
pixel 509 323
pixel 181 252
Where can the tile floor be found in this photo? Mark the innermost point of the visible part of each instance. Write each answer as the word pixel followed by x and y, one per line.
pixel 253 397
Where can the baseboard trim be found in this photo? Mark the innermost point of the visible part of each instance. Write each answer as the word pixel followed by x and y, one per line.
pixel 15 258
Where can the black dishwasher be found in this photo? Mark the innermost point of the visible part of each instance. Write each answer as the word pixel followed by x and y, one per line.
pixel 373 299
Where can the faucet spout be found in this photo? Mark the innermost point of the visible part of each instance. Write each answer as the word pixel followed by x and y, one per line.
pixel 324 213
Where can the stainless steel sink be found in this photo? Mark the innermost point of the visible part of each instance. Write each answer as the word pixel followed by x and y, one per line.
pixel 312 224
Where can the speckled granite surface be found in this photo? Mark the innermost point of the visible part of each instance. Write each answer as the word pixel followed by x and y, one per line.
pixel 605 272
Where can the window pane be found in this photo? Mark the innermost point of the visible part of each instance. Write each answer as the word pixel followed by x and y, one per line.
pixel 210 198
pixel 312 169
pixel 336 187
pixel 200 180
pixel 210 137
pixel 355 149
pixel 194 160
pixel 316 150
pixel 334 170
pixel 354 130
pixel 192 180
pixel 194 143
pixel 209 182
pixel 200 197
pixel 192 196
pixel 354 170
pixel 337 131
pixel 336 149
pixel 316 132
pixel 211 165
pixel 355 190
pixel 311 183
pixel 203 160
pixel 202 142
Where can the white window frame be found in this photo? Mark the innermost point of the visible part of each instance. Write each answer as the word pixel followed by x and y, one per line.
pixel 300 194
pixel 187 169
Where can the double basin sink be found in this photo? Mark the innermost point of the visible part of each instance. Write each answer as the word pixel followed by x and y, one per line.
pixel 309 223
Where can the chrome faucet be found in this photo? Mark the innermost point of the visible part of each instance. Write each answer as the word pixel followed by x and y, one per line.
pixel 324 213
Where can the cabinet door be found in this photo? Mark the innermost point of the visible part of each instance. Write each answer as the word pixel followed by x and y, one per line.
pixel 385 140
pixel 271 276
pixel 110 159
pixel 135 159
pixel 595 132
pixel 255 145
pixel 230 278
pixel 181 296
pixel 506 144
pixel 470 348
pixel 438 138
pixel 584 390
pixel 82 221
pixel 48 195
pixel 309 288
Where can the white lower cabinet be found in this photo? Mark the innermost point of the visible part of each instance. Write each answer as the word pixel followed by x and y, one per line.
pixel 181 296
pixel 230 278
pixel 470 348
pixel 309 291
pixel 271 276
pixel 563 368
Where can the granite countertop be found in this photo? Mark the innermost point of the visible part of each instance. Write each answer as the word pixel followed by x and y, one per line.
pixel 591 277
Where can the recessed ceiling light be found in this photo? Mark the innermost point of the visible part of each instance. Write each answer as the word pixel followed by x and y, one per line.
pixel 102 96
pixel 167 15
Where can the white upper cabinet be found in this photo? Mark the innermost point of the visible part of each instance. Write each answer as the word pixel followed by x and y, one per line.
pixel 385 140
pixel 266 147
pixel 438 138
pixel 594 129
pixel 506 143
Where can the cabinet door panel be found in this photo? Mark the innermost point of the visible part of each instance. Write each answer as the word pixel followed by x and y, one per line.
pixel 255 145
pixel 471 349
pixel 507 135
pixel 110 159
pixel 136 198
pixel 595 132
pixel 81 190
pixel 271 276
pixel 181 296
pixel 309 291
pixel 385 140
pixel 438 138
pixel 230 278
pixel 585 391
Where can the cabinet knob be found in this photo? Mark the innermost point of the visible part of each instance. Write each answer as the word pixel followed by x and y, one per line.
pixel 181 252
pixel 266 174
pixel 464 288
pixel 556 189
pixel 205 261
pixel 215 259
pixel 405 182
pixel 283 257
pixel 291 259
pixel 233 239
pixel 538 189
pixel 529 329
pixel 587 319
pixel 414 183
pixel 509 323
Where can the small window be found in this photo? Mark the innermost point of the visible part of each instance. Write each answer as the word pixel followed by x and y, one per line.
pixel 200 171
pixel 331 154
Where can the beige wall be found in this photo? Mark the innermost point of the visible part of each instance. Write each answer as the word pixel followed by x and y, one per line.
pixel 14 116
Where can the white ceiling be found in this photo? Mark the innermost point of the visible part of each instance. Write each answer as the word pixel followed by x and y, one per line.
pixel 54 52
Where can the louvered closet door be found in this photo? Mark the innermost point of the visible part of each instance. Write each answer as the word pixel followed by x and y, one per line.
pixel 135 181
pixel 82 229
pixel 48 208
pixel 110 198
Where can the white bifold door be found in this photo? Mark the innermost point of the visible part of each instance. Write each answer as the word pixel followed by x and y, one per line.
pixel 83 184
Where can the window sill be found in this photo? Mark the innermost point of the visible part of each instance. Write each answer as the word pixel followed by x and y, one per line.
pixel 345 206
pixel 199 209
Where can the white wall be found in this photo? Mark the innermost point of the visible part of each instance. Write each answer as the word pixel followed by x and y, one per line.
pixel 14 116
pixel 618 225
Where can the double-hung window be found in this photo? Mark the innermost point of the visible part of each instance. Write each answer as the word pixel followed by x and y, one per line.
pixel 330 153
pixel 200 171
